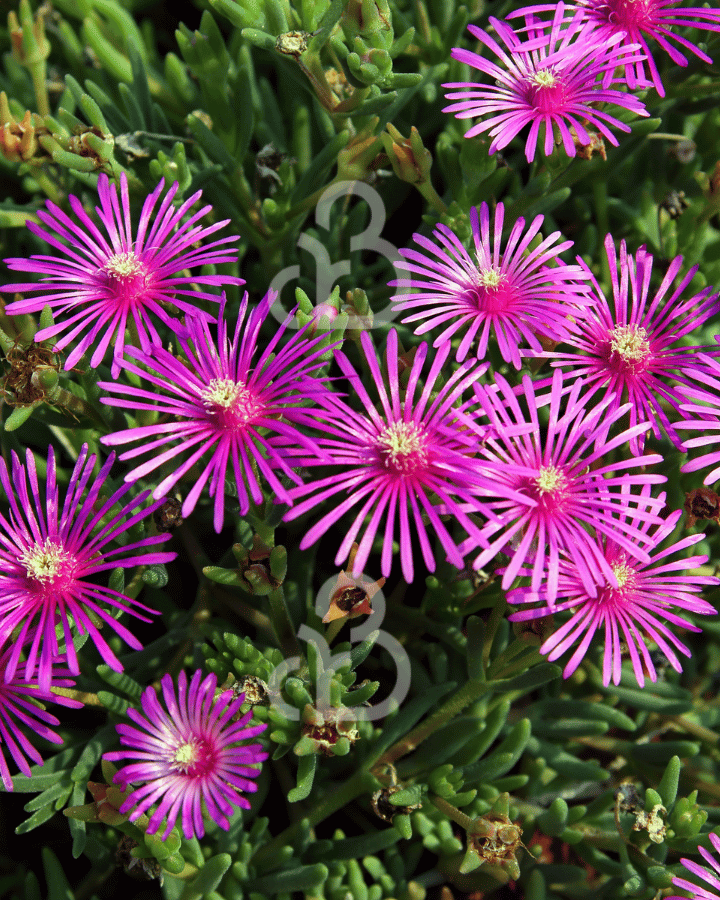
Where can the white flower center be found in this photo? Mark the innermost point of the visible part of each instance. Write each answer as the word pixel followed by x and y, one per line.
pixel 630 342
pixel 44 562
pixel 543 78
pixel 623 573
pixel 185 756
pixel 403 446
pixel 124 265
pixel 490 278
pixel 225 392
pixel 549 479
pixel 231 403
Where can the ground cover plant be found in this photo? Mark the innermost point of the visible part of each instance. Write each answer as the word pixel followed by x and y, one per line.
pixel 360 397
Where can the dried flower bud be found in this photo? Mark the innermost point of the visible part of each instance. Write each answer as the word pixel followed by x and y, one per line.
pixel 675 204
pixel 256 691
pixel 701 503
pixel 684 151
pixel 140 868
pixel 596 147
pixel 330 731
pixel 262 568
pixel 293 43
pixel 32 376
pixel 169 515
pixel 494 840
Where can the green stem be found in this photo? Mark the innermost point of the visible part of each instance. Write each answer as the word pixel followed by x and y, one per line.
pixel 453 707
pixel 699 731
pixel 282 623
pixel 452 812
pixel 38 73
pixel 432 196
pixel 601 210
pixel 333 630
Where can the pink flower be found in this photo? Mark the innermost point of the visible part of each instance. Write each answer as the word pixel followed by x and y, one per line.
pixel 396 462
pixel 190 757
pixel 698 891
pixel 49 555
pixel 632 349
pixel 633 19
pixel 703 402
pixel 642 599
pixel 22 703
pixel 548 81
pixel 226 406
pixel 515 294
pixel 109 280
pixel 557 486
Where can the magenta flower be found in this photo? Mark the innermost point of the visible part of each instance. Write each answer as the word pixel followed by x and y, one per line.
pixel 643 599
pixel 633 19
pixel 703 404
pixel 190 757
pixel 22 703
pixel 632 349
pixel 109 280
pixel 224 405
pixel 398 461
pixel 550 81
pixel 698 891
pixel 515 294
pixel 557 486
pixel 47 557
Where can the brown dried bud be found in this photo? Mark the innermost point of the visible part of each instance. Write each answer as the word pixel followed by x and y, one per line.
pixel 326 728
pixel 495 841
pixel 262 567
pixel 534 631
pixel 596 147
pixel 675 204
pixel 32 375
pixel 628 800
pixel 684 151
pixel 701 503
pixel 293 43
pixel 140 868
pixel 169 515
pixel 255 690
pixel 714 187
pixel 351 596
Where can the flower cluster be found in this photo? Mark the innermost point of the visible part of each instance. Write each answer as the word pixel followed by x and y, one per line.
pixel 557 76
pixel 426 455
pixel 56 543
